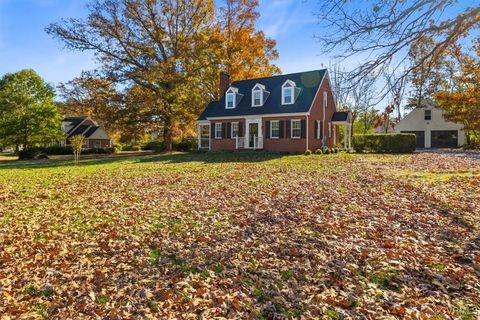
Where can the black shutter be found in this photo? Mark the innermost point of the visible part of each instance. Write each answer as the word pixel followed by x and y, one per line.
pixel 224 130
pixel 303 126
pixel 240 129
pixel 229 130
pixel 287 131
pixel 267 129
pixel 282 129
pixel 212 129
pixel 315 130
pixel 321 130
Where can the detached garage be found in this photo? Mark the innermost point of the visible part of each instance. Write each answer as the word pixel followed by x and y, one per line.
pixel 431 129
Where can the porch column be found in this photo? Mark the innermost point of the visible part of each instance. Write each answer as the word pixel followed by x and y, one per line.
pixel 334 135
pixel 349 137
pixel 199 137
pixel 345 137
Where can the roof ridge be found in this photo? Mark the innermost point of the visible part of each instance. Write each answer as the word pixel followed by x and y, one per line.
pixel 281 75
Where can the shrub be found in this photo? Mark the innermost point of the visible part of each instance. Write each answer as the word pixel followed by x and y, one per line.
pixel 318 151
pixel 186 144
pixel 326 151
pixel 154 145
pixel 308 152
pixel 29 154
pixel 118 147
pixel 385 143
pixel 132 147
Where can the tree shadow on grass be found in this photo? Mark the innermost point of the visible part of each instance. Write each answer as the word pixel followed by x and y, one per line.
pixel 167 158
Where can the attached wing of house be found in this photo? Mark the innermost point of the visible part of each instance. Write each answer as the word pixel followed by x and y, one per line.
pixel 285 113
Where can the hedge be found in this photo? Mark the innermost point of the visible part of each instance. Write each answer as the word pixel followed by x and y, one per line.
pixel 385 143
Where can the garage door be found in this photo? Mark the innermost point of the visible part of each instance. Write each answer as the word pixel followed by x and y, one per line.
pixel 445 139
pixel 420 138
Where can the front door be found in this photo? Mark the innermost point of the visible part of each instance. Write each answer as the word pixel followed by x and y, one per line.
pixel 252 135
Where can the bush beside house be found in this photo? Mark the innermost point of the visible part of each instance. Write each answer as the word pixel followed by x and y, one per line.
pixel 385 143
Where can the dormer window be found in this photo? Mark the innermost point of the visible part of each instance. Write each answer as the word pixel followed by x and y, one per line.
pixel 288 92
pixel 259 95
pixel 231 98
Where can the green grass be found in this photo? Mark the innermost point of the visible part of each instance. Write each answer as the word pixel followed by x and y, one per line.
pixel 261 229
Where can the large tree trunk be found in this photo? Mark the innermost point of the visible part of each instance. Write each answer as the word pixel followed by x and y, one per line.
pixel 167 134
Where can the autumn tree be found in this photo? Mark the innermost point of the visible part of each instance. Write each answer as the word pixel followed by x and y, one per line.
pixel 91 96
pixel 382 32
pixel 461 103
pixel 162 46
pixel 28 114
pixel 77 142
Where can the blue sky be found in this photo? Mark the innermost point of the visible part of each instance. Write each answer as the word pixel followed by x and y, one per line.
pixel 24 43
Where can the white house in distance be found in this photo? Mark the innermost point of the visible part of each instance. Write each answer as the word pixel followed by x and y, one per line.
pixel 431 129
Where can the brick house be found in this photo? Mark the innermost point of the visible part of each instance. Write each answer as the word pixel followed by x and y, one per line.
pixel 284 113
pixel 95 136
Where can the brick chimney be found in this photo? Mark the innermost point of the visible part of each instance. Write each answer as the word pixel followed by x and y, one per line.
pixel 224 83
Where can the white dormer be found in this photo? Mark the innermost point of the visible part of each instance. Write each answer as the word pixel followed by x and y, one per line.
pixel 289 90
pixel 231 98
pixel 259 95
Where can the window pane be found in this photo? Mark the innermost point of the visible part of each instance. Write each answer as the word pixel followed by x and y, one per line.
pixel 275 127
pixel 234 129
pixel 287 95
pixel 296 131
pixel 218 130
pixel 257 98
pixel 428 114
pixel 229 100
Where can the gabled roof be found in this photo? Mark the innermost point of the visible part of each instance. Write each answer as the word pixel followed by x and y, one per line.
pixel 342 116
pixel 308 82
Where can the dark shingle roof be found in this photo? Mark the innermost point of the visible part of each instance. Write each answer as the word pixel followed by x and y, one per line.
pixel 308 82
pixel 90 132
pixel 341 116
pixel 80 130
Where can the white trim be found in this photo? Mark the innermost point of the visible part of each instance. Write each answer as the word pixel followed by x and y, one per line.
pixel 227 95
pixel 317 134
pixel 291 128
pixel 200 124
pixel 318 90
pixel 325 99
pixel 231 129
pixel 330 129
pixel 75 128
pixel 292 88
pixel 221 130
pixel 271 136
pixel 258 121
pixel 306 132
pixel 254 90
pixel 270 115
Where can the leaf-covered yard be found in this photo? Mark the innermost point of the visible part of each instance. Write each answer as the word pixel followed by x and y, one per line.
pixel 245 236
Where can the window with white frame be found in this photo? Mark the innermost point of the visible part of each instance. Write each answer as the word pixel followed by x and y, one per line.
pixel 234 133
pixel 230 101
pixel 329 129
pixel 275 129
pixel 428 114
pixel 296 129
pixel 288 90
pixel 319 129
pixel 325 99
pixel 257 98
pixel 218 131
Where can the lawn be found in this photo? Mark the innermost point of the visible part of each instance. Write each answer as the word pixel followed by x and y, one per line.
pixel 245 236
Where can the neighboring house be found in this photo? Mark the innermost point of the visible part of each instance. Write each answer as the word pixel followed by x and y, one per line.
pixel 285 113
pixel 431 129
pixel 95 136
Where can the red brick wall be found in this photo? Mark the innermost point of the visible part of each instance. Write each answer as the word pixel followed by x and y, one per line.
pixel 226 143
pixel 316 113
pixel 285 144
pixel 103 143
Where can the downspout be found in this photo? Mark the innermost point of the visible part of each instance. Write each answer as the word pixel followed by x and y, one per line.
pixel 323 124
pixel 306 134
